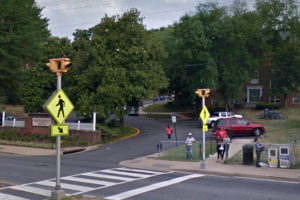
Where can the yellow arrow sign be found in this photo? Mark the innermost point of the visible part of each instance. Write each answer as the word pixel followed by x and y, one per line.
pixel 204 114
pixel 57 130
pixel 60 106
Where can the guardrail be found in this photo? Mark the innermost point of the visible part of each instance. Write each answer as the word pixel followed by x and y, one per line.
pixel 72 125
pixel 14 123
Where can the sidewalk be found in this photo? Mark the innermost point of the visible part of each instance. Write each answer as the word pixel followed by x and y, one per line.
pixel 31 151
pixel 151 162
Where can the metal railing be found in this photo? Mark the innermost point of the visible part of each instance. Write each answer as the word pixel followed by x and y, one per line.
pixel 14 123
pixel 172 150
pixel 294 153
pixel 72 125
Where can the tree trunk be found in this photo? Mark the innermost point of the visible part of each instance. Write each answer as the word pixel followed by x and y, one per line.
pixel 226 106
pixel 121 122
pixel 285 100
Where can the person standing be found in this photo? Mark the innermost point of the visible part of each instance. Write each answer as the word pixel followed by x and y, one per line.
pixel 189 143
pixel 220 148
pixel 258 149
pixel 221 132
pixel 169 132
pixel 226 141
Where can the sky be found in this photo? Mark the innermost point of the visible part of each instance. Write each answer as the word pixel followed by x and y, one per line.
pixel 65 16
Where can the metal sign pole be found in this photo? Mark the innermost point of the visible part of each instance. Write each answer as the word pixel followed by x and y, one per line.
pixel 58 193
pixel 203 163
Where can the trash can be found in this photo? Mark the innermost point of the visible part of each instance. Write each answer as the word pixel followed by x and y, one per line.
pixel 247 154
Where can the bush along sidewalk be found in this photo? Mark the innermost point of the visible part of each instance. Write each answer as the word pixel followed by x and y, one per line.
pixel 109 134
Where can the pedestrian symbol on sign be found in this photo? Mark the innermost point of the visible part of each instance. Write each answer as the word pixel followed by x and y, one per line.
pixel 61 104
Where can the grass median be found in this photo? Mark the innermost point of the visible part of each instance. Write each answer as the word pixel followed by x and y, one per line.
pixel 170 151
pixel 277 132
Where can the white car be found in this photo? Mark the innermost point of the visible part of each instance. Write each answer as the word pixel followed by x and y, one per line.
pixel 218 115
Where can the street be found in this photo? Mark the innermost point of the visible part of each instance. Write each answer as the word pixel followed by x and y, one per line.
pixel 97 173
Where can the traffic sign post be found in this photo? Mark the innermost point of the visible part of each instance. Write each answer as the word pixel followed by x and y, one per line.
pixel 59 107
pixel 204 115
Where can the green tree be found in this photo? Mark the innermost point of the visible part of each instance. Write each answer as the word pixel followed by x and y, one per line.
pixel 122 65
pixel 285 71
pixel 281 26
pixel 22 31
pixel 239 52
pixel 192 63
pixel 38 81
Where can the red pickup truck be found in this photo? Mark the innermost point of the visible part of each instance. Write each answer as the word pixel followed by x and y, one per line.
pixel 240 126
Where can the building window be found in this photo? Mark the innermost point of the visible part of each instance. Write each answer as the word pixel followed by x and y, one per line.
pixel 296 100
pixel 275 99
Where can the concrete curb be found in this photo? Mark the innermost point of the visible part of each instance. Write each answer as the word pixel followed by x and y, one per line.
pixel 80 149
pixel 241 175
pixel 31 151
pixel 240 171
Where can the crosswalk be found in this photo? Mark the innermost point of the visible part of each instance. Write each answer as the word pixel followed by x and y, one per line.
pixel 77 184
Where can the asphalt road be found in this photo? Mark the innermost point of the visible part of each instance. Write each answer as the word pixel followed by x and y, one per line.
pixel 24 169
pixel 168 185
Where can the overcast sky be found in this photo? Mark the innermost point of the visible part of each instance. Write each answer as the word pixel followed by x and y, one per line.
pixel 67 15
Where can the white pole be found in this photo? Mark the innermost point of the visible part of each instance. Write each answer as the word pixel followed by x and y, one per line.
pixel 94 121
pixel 203 163
pixel 58 193
pixel 3 118
pixel 78 125
pixel 14 122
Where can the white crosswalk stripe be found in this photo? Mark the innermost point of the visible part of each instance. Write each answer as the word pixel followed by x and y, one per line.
pixel 79 183
pixel 108 176
pixel 66 186
pixel 32 190
pixel 126 173
pixel 10 197
pixel 138 170
pixel 84 180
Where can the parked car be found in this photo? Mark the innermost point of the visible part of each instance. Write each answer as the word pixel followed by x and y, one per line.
pixel 133 112
pixel 7 117
pixel 155 98
pixel 162 97
pixel 240 126
pixel 220 115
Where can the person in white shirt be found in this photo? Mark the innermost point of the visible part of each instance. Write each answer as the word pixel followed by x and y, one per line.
pixel 189 143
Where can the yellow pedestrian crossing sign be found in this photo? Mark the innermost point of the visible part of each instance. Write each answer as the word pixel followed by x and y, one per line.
pixel 57 130
pixel 204 128
pixel 204 114
pixel 60 106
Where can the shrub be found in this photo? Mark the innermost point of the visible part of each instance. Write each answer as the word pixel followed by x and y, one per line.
pixel 239 105
pixel 262 106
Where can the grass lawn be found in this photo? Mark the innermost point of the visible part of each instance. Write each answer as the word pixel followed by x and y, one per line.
pixel 277 132
pixel 179 154
pixel 15 110
pixel 158 116
pixel 110 134
pixel 165 107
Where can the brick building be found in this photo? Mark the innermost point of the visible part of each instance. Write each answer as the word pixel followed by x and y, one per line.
pixel 258 91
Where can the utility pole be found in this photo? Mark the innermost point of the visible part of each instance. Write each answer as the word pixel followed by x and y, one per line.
pixel 204 115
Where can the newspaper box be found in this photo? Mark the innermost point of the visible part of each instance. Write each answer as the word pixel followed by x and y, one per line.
pixel 284 156
pixel 273 157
